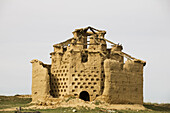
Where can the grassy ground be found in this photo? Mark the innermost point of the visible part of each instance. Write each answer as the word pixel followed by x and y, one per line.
pixel 13 101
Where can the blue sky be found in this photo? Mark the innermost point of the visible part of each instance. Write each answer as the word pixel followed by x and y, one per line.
pixel 29 28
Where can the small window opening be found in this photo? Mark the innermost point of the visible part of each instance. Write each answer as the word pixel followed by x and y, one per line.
pixel 84 57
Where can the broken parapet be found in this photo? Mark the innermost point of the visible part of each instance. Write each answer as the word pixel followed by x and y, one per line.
pixel 40 81
pixel 123 83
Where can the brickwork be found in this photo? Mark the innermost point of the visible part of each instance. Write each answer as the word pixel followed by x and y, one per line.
pixel 84 67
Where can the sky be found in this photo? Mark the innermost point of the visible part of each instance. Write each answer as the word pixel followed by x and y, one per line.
pixel 29 28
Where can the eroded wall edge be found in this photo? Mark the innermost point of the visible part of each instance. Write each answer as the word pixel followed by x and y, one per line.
pixel 40 81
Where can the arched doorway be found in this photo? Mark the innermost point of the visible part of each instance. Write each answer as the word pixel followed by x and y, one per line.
pixel 84 95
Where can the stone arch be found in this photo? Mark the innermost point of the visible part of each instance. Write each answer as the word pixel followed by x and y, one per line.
pixel 84 95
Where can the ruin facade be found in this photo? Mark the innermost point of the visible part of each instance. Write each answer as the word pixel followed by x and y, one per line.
pixel 84 67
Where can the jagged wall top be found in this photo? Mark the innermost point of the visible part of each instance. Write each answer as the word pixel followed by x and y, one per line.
pixel 83 34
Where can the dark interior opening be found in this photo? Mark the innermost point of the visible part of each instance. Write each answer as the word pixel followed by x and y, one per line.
pixel 84 57
pixel 84 95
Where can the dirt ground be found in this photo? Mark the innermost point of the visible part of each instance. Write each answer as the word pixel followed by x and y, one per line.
pixel 75 103
pixel 72 102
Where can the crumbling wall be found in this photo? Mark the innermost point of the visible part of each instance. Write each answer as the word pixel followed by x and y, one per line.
pixel 75 70
pixel 40 81
pixel 123 83
pixel 78 66
pixel 59 73
pixel 85 76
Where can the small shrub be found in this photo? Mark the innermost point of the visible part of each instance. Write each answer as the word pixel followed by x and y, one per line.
pixel 97 102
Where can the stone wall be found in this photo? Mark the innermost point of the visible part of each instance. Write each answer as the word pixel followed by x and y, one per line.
pixel 86 76
pixel 40 81
pixel 123 82
pixel 75 71
pixel 59 73
pixel 88 67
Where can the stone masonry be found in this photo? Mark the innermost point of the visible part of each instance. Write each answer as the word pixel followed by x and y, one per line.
pixel 84 67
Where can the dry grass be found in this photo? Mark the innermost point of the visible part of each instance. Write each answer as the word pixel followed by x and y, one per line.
pixel 15 101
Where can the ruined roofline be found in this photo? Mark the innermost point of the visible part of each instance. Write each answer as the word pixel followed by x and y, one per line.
pixel 93 30
pixel 81 32
pixel 84 31
pixel 129 57
pixel 65 43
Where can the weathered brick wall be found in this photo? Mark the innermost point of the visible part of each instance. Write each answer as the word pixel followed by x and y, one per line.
pixel 123 83
pixel 40 81
pixel 78 66
pixel 59 80
pixel 70 75
pixel 87 76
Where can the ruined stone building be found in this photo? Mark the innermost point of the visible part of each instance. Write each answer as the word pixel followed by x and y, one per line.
pixel 84 67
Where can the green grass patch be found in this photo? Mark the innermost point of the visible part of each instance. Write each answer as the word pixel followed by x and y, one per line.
pixel 13 101
pixel 158 107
